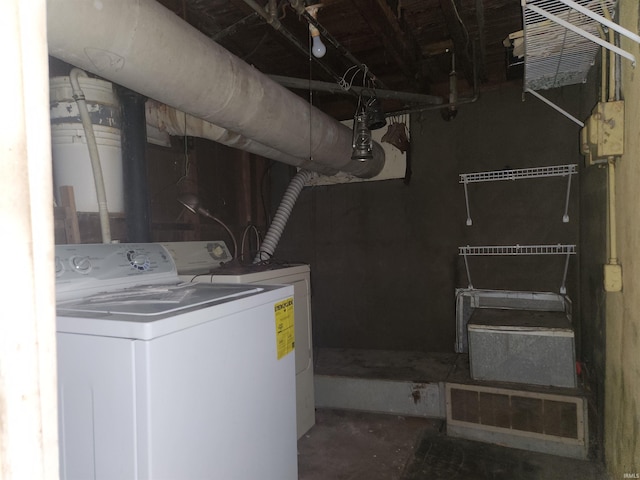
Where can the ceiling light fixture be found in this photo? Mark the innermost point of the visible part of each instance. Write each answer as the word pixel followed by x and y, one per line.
pixel 318 49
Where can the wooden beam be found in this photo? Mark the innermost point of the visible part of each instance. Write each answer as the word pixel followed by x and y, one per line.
pixel 437 48
pixel 68 202
pixel 399 43
pixel 481 56
pixel 460 35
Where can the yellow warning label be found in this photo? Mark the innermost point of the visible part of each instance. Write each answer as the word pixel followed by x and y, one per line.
pixel 285 332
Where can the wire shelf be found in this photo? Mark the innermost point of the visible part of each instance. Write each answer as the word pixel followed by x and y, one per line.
pixel 560 40
pixel 511 250
pixel 520 173
pixel 503 250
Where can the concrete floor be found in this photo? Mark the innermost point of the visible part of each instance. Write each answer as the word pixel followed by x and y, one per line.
pixel 347 445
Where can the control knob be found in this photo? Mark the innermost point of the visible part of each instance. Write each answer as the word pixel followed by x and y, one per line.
pixel 80 264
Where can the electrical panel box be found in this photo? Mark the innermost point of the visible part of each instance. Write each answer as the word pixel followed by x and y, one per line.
pixel 603 133
pixel 612 277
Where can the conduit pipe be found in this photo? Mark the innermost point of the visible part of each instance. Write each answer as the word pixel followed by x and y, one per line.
pixel 169 120
pixel 276 228
pixel 96 168
pixel 134 166
pixel 306 84
pixel 145 47
pixel 612 269
pixel 611 176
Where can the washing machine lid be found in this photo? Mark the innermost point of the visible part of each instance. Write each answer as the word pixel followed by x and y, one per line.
pixel 151 311
pixel 149 300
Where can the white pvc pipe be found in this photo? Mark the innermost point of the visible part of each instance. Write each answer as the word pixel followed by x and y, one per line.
pixel 94 156
pixel 145 47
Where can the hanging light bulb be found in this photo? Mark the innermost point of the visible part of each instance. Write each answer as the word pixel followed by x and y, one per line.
pixel 317 47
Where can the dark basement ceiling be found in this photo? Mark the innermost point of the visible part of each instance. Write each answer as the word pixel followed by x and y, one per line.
pixel 405 44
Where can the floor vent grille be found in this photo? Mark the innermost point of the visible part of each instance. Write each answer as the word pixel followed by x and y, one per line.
pixel 530 420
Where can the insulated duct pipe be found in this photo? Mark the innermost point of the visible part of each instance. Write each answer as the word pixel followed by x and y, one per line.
pixel 276 228
pixel 169 120
pixel 145 47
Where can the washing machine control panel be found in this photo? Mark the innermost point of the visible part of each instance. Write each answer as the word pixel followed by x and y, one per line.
pixel 82 269
pixel 198 257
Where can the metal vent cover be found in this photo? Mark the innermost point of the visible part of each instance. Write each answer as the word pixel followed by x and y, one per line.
pixel 555 55
pixel 528 420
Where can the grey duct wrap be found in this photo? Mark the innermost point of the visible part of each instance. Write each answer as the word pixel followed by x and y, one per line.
pixel 145 47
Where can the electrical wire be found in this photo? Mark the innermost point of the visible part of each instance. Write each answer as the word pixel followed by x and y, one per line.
pixel 258 45
pixel 367 80
pixel 265 207
pixel 246 230
pixel 186 153
pixel 464 27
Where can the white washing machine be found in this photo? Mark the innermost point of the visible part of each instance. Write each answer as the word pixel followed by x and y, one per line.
pixel 159 379
pixel 210 262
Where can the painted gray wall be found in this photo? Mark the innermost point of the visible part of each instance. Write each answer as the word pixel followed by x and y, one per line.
pixel 384 255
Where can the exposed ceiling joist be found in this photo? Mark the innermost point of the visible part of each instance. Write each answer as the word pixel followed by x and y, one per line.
pixel 404 43
pixel 481 56
pixel 459 35
pixel 399 43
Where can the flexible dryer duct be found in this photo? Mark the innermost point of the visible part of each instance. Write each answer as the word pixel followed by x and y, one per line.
pixel 276 228
pixel 143 46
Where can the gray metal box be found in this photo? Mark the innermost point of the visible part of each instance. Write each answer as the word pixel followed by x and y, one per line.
pixel 468 300
pixel 522 346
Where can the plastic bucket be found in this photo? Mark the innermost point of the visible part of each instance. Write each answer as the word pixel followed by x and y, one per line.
pixel 71 161
pixel 72 165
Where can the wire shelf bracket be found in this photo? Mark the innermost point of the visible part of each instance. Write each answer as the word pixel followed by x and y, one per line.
pixel 512 250
pixel 520 174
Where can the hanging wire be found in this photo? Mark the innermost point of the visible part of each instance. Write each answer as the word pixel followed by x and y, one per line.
pixel 367 80
pixel 464 27
pixel 258 45
pixel 310 46
pixel 186 153
pixel 245 234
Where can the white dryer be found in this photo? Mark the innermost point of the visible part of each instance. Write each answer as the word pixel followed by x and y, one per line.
pixel 210 262
pixel 159 379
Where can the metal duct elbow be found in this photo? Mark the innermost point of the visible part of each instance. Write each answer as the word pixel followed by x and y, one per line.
pixel 145 47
